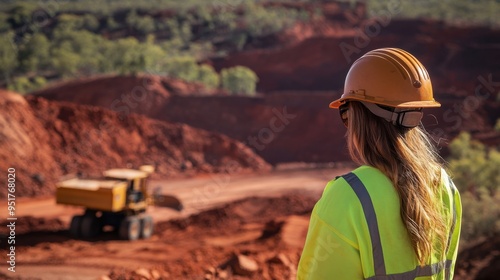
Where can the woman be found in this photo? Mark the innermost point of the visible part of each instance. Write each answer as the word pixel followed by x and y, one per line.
pixel 397 216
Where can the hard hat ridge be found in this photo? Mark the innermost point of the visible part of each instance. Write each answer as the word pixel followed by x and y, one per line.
pixel 390 77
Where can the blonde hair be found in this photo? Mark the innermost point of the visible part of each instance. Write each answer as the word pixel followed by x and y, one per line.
pixel 410 161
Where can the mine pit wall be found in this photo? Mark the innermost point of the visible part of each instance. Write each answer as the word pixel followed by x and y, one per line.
pixel 280 128
pixel 291 126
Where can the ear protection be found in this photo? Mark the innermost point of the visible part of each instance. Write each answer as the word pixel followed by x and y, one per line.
pixel 404 117
pixel 409 118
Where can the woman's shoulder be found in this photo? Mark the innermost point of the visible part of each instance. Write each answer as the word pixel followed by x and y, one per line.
pixel 372 179
pixel 339 192
pixel 368 175
pixel 369 172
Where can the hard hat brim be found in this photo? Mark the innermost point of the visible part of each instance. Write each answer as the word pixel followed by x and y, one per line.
pixel 413 104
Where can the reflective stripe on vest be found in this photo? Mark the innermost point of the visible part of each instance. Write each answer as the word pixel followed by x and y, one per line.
pixel 377 250
pixel 454 217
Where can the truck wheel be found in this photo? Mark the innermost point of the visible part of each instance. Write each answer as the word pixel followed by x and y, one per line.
pixel 147 226
pixel 130 228
pixel 75 226
pixel 90 226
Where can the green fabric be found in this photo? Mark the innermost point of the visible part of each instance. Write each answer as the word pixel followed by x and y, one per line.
pixel 338 244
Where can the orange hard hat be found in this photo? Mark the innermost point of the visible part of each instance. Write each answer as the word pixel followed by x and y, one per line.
pixel 390 77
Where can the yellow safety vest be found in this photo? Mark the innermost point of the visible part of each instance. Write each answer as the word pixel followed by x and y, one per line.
pixel 356 232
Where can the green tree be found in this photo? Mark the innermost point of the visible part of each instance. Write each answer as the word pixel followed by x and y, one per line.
pixel 20 85
pixel 124 58
pixel 21 14
pixel 261 21
pixel 151 53
pixel 224 21
pixel 8 55
pixel 142 24
pixel 473 165
pixel 83 44
pixel 64 60
pixel 90 22
pixel 69 22
pixel 107 62
pixel 182 67
pixel 111 24
pixel 129 56
pixel 208 76
pixel 24 85
pixel 474 169
pixel 180 30
pixel 4 23
pixel 87 46
pixel 34 54
pixel 239 80
pixel 39 82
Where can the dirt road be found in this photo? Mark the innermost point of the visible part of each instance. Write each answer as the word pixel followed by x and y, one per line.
pixel 186 246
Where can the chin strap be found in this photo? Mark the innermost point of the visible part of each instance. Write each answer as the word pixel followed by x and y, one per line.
pixel 405 117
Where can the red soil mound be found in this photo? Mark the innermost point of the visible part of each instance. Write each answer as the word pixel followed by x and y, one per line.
pixel 123 94
pixel 44 140
pixel 25 147
pixel 32 225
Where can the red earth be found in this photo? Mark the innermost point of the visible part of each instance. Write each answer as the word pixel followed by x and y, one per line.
pixel 44 140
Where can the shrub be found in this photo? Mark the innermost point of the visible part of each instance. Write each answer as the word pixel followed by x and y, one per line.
pixel 480 216
pixel 34 54
pixel 4 24
pixel 21 14
pixel 80 46
pixel 182 67
pixel 21 85
pixel 24 85
pixel 262 21
pixel 64 60
pixel 180 31
pixel 90 22
pixel 141 24
pixel 125 59
pixel 473 165
pixel 8 56
pixel 69 22
pixel 239 80
pixel 111 24
pixel 208 76
pixel 474 168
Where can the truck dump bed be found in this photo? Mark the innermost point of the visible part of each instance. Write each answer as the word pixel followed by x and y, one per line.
pixel 104 195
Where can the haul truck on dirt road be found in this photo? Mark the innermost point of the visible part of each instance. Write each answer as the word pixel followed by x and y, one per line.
pixel 120 200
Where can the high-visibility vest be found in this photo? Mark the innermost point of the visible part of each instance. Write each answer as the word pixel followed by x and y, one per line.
pixel 356 232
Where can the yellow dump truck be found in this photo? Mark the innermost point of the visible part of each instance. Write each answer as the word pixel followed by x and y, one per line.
pixel 119 200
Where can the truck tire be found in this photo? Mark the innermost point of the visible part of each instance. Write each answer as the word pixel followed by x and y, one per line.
pixel 130 228
pixel 147 226
pixel 75 226
pixel 90 226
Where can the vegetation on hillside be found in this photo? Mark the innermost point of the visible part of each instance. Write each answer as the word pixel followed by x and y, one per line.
pixel 475 169
pixel 42 41
pixel 127 41
pixel 457 12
